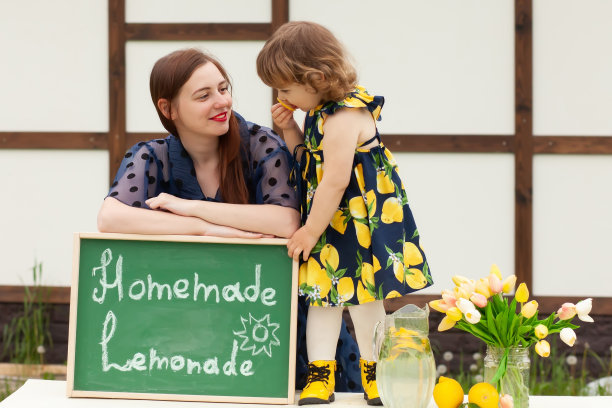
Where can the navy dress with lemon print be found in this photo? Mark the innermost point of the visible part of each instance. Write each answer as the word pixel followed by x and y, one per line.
pixel 370 250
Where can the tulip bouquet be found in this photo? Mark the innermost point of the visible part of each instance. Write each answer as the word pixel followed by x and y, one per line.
pixel 479 307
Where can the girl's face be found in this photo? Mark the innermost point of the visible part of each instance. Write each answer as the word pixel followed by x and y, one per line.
pixel 300 96
pixel 203 105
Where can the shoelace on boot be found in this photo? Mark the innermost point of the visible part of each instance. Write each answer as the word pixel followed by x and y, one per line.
pixel 370 370
pixel 317 374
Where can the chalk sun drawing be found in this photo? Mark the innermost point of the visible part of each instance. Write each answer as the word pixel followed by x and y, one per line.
pixel 258 335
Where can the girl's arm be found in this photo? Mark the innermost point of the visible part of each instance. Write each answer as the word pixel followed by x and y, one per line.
pixel 262 218
pixel 283 118
pixel 115 216
pixel 342 131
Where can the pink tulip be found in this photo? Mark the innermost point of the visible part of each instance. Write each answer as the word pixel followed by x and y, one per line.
pixel 478 299
pixel 495 284
pixel 438 305
pixel 506 401
pixel 449 298
pixel 567 311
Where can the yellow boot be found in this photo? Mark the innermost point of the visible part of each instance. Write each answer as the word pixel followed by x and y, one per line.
pixel 320 383
pixel 368 380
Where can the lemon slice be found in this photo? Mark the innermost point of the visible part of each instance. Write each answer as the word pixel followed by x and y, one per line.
pixel 285 105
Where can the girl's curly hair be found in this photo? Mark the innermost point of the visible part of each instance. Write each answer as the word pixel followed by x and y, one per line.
pixel 302 51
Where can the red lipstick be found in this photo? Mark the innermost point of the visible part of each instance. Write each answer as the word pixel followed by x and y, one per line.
pixel 222 117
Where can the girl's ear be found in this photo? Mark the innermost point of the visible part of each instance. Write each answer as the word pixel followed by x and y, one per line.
pixel 164 106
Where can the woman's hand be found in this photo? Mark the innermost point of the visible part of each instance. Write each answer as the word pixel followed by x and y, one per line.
pixel 302 242
pixel 173 204
pixel 215 230
pixel 283 117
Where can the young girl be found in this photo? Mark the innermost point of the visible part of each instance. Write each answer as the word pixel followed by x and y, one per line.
pixel 359 241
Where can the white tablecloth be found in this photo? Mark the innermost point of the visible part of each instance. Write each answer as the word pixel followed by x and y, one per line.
pixel 52 394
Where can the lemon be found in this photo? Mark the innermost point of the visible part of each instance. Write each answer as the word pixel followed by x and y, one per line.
pixel 367 273
pixel 448 393
pixel 484 395
pixel 415 278
pixel 363 234
pixel 384 185
pixel 398 270
pixel 329 255
pixel 346 289
pixel 359 176
pixel 392 211
pixel 412 255
pixel 357 207
pixel 337 221
pixel 363 295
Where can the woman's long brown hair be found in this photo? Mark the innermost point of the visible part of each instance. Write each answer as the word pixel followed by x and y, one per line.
pixel 169 74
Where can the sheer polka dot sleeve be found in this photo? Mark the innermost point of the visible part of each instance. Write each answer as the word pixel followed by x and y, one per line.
pixel 141 173
pixel 272 165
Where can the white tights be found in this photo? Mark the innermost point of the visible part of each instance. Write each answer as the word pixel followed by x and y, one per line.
pixel 323 329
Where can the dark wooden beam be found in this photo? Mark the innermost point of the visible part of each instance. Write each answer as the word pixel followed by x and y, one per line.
pixel 198 32
pixel 53 140
pixel 280 13
pixel 116 82
pixel 449 143
pixel 523 142
pixel 48 294
pixel 572 144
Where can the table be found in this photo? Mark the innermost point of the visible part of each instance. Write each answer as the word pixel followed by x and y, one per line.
pixel 52 394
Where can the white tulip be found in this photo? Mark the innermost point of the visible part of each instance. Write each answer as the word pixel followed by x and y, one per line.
pixel 472 316
pixel 568 336
pixel 465 305
pixel 583 308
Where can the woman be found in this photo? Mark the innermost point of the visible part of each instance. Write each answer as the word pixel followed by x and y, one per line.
pixel 215 174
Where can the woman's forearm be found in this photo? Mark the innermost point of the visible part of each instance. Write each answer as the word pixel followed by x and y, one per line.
pixel 115 216
pixel 263 218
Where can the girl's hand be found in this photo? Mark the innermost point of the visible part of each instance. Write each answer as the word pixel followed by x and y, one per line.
pixel 283 117
pixel 173 204
pixel 302 241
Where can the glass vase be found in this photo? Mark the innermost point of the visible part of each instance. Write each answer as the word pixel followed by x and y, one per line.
pixel 515 379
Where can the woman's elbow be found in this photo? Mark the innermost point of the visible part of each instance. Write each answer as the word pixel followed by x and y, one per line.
pixel 106 216
pixel 291 224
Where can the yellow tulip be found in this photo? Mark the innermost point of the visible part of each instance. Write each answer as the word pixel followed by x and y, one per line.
pixel 508 284
pixel 529 309
pixel 446 324
pixel 482 287
pixel 454 313
pixel 495 271
pixel 541 331
pixel 542 348
pixel 522 293
pixel 458 280
pixel 438 305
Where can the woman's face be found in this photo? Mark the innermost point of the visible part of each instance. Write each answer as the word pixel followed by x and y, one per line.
pixel 203 105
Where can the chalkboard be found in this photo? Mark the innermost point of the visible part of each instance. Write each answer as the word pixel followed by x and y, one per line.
pixel 182 318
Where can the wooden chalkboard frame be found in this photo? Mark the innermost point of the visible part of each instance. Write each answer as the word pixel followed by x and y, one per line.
pixel 74 297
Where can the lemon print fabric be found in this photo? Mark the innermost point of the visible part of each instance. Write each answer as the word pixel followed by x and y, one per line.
pixel 370 251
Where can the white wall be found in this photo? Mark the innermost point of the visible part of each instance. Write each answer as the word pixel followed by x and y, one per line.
pixel 444 67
